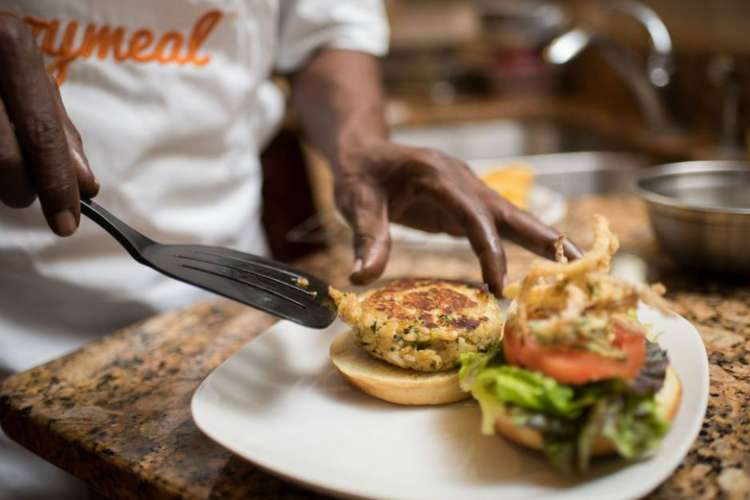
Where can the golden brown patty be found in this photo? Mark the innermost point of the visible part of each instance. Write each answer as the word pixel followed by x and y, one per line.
pixel 422 324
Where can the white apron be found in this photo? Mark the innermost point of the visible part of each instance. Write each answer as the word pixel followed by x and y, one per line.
pixel 173 101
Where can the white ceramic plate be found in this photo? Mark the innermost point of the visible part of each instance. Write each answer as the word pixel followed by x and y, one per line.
pixel 278 402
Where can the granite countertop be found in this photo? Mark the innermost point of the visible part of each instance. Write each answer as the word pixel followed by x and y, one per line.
pixel 117 412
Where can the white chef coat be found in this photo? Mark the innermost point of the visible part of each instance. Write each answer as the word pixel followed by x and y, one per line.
pixel 174 103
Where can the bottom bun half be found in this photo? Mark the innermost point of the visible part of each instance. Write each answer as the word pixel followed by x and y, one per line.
pixel 392 383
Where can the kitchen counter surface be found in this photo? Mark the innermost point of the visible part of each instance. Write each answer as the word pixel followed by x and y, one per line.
pixel 117 412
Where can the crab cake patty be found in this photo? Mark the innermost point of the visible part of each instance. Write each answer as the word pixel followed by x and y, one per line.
pixel 422 324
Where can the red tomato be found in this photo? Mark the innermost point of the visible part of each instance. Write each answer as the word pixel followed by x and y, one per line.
pixel 576 366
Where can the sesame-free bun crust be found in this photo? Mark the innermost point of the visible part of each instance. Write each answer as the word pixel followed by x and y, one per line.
pixel 392 383
pixel 668 400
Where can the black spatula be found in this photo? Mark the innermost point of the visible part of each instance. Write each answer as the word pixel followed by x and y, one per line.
pixel 261 283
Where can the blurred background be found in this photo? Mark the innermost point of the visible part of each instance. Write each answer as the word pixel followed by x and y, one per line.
pixel 570 96
pixel 615 71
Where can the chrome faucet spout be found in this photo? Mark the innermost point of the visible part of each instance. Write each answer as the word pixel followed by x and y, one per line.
pixel 645 85
pixel 660 61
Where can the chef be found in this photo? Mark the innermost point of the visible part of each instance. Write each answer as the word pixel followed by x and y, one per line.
pixel 160 110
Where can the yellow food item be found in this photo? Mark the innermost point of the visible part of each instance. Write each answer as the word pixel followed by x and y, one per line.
pixel 513 182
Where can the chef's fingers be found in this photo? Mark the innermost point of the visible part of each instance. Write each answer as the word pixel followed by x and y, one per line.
pixel 15 188
pixel 87 183
pixel 526 230
pixel 365 208
pixel 30 104
pixel 481 232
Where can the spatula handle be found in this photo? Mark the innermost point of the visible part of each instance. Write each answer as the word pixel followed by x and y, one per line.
pixel 133 241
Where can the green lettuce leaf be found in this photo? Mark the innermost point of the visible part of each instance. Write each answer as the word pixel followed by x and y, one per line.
pixel 568 417
pixel 634 425
pixel 488 375
pixel 591 428
pixel 472 363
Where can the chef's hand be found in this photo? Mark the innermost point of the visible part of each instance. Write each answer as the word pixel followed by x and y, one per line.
pixel 431 191
pixel 41 153
pixel 340 104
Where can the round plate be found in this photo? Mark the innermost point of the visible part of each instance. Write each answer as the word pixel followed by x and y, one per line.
pixel 279 403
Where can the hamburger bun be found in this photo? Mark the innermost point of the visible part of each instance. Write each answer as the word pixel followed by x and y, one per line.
pixel 668 401
pixel 392 383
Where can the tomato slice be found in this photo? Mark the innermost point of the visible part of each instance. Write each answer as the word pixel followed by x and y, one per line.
pixel 576 366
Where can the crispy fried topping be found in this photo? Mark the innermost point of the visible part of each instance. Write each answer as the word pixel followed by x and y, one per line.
pixel 556 294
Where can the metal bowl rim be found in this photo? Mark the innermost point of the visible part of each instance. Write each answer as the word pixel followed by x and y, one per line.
pixel 689 167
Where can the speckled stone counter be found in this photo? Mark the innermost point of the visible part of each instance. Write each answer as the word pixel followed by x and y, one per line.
pixel 117 412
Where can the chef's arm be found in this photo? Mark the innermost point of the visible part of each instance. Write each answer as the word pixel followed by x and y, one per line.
pixel 338 98
pixel 41 153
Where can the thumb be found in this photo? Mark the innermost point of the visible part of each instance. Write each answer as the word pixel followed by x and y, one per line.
pixel 366 210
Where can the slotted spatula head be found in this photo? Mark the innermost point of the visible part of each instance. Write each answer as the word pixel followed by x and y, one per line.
pixel 262 283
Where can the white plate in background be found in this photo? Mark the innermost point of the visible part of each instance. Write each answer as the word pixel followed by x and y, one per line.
pixel 279 403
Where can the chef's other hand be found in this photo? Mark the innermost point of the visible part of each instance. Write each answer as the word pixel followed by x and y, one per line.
pixel 431 191
pixel 41 153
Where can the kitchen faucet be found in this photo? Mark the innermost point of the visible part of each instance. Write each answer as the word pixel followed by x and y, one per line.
pixel 645 84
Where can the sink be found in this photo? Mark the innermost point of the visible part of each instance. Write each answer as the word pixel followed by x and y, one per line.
pixel 506 137
pixel 568 160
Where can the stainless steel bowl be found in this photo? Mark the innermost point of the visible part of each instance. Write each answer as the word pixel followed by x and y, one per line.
pixel 700 212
